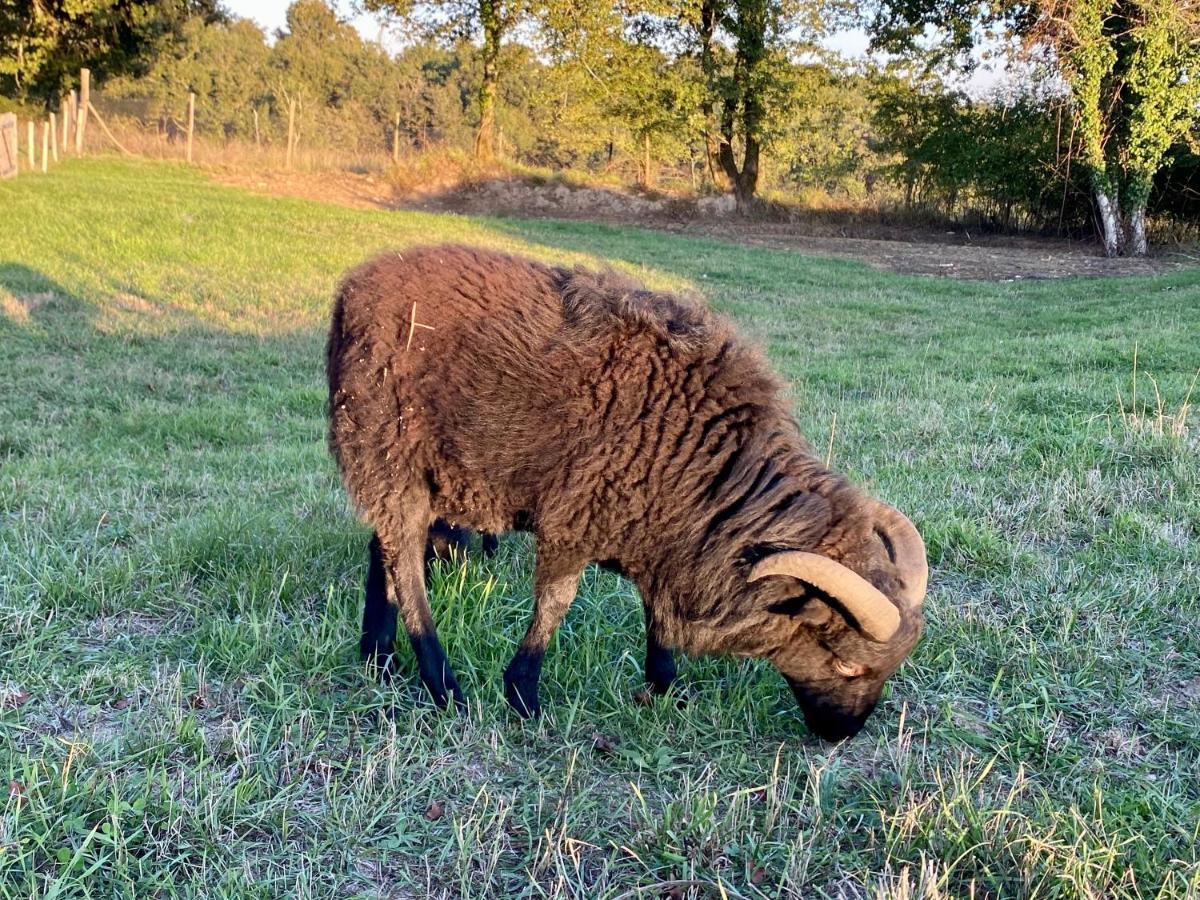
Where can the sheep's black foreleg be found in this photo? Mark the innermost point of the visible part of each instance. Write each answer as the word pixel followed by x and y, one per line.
pixel 555 584
pixel 660 663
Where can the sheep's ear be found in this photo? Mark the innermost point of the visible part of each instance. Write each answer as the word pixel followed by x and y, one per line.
pixel 807 606
pixel 792 606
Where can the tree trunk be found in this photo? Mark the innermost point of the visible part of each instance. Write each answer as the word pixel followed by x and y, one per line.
pixel 647 163
pixel 1109 206
pixel 1139 245
pixel 708 23
pixel 744 182
pixel 744 112
pixel 489 16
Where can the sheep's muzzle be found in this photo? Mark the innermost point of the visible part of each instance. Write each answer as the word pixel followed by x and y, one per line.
pixel 828 719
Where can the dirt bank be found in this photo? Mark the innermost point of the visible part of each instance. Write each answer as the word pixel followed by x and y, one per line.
pixel 953 254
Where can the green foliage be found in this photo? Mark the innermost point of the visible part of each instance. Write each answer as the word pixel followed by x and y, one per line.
pixel 1132 68
pixel 1089 59
pixel 224 63
pixel 706 94
pixel 1006 161
pixel 824 137
pixel 1163 87
pixel 459 21
pixel 941 32
pixel 44 44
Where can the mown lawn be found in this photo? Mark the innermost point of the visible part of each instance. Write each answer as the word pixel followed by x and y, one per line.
pixel 182 711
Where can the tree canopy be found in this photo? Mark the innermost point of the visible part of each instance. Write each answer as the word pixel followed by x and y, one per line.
pixel 44 44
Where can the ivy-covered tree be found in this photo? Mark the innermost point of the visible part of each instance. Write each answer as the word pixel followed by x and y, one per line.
pixel 1134 71
pixel 1132 68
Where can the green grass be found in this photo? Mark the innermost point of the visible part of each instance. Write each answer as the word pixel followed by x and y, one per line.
pixel 181 707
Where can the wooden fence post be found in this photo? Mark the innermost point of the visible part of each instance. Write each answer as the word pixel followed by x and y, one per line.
pixel 65 111
pixel 257 138
pixel 45 147
pixel 191 122
pixel 54 136
pixel 85 93
pixel 291 130
pixel 9 152
pixel 74 114
pixel 29 146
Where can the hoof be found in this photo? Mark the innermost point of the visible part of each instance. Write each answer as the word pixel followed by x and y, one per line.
pixel 660 673
pixel 490 544
pixel 650 695
pixel 379 659
pixel 443 694
pixel 523 699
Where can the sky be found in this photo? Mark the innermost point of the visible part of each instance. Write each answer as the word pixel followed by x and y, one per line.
pixel 269 14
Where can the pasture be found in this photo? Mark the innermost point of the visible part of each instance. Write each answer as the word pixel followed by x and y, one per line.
pixel 182 709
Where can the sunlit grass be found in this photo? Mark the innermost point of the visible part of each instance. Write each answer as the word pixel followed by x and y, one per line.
pixel 181 707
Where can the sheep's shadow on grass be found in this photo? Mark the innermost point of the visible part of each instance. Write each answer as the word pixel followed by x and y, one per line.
pixel 165 467
pixel 27 296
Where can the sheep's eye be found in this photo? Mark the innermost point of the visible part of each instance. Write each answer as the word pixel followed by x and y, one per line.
pixel 847 669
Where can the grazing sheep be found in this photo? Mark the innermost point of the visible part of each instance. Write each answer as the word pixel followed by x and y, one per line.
pixel 621 426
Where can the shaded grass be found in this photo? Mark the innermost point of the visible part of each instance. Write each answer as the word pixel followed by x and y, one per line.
pixel 181 709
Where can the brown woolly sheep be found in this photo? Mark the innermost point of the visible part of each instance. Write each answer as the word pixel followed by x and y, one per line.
pixel 621 426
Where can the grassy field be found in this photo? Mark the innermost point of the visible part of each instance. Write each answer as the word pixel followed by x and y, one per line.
pixel 181 707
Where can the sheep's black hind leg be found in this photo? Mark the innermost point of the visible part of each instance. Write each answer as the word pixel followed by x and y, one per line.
pixel 379 616
pixel 403 549
pixel 490 544
pixel 660 663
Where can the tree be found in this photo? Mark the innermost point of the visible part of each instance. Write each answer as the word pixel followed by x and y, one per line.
pixel 625 87
pixel 1132 68
pixel 44 44
pixel 340 82
pixel 743 48
pixel 730 57
pixel 1134 71
pixel 459 20
pixel 224 63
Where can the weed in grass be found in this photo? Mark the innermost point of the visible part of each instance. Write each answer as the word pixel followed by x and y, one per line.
pixel 1157 421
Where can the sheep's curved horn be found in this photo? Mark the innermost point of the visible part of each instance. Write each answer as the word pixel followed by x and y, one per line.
pixel 907 550
pixel 876 615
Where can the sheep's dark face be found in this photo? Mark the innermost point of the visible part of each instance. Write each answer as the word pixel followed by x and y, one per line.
pixel 835 673
pixel 844 618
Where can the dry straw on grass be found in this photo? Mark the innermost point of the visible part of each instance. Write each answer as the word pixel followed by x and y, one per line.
pixel 1157 420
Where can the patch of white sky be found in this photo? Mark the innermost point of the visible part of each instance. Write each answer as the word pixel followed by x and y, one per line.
pixel 271 15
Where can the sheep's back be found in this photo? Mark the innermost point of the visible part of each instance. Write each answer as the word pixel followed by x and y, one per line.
pixel 416 340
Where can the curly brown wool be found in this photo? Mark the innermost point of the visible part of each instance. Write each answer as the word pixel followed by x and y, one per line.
pixel 622 426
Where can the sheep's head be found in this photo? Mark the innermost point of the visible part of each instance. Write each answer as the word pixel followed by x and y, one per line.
pixel 848 614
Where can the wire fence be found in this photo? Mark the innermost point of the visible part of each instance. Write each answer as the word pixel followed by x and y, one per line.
pixel 88 120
